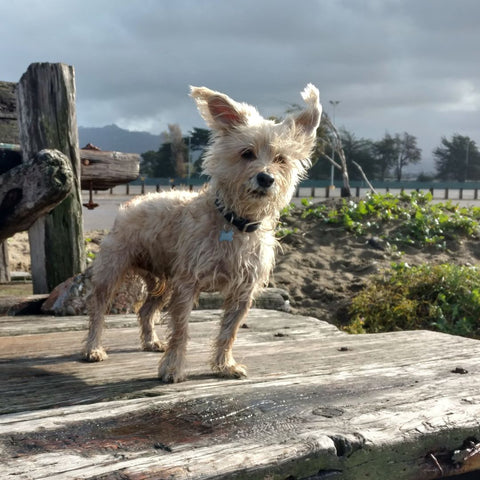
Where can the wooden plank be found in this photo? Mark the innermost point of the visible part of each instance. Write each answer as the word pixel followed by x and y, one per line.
pixel 101 170
pixel 47 119
pixel 104 170
pixel 317 403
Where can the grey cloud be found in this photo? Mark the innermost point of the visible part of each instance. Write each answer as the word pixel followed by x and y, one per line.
pixel 393 63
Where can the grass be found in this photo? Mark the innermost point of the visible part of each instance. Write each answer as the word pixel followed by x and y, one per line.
pixel 413 219
pixel 445 298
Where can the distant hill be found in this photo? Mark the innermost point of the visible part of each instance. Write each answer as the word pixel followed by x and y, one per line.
pixel 114 138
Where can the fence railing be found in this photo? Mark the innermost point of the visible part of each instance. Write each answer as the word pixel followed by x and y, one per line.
pixel 319 188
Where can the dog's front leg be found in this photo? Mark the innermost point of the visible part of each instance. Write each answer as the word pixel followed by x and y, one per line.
pixel 223 362
pixel 172 364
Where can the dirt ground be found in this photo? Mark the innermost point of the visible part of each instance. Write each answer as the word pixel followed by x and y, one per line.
pixel 321 266
pixel 324 266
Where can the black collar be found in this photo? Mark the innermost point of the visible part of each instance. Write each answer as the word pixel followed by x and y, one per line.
pixel 243 224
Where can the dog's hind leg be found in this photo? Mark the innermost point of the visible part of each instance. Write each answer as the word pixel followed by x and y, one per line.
pixel 223 362
pixel 105 279
pixel 157 297
pixel 172 364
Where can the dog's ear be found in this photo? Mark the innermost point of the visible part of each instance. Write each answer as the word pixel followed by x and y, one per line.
pixel 309 119
pixel 218 110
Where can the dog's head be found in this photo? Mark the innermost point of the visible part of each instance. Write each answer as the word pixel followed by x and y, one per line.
pixel 254 163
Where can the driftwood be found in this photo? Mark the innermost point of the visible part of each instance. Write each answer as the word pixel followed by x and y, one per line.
pixel 8 113
pixel 31 190
pixel 99 170
pixel 47 119
pixel 103 170
pixel 317 404
pixel 8 134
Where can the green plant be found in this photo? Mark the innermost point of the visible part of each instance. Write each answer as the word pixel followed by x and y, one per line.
pixel 413 217
pixel 444 298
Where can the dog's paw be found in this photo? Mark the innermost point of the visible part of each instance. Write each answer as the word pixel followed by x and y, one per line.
pixel 155 346
pixel 168 372
pixel 170 376
pixel 95 355
pixel 231 371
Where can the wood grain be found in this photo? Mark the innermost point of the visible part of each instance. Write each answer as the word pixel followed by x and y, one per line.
pixel 317 403
pixel 47 120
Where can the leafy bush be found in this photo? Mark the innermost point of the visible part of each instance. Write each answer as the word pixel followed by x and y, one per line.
pixel 445 298
pixel 418 221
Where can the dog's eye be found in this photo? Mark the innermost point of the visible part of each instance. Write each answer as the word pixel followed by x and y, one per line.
pixel 279 159
pixel 248 154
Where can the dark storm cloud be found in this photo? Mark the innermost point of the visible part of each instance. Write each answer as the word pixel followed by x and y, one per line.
pixel 395 65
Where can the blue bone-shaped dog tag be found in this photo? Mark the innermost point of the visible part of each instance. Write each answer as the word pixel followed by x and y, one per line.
pixel 226 235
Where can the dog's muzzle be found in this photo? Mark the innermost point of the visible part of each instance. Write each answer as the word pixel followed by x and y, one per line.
pixel 261 184
pixel 265 180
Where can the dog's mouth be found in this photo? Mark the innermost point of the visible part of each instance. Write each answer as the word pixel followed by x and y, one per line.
pixel 259 193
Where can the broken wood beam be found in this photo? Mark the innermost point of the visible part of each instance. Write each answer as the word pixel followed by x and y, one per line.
pixel 31 190
pixel 103 170
pixel 99 169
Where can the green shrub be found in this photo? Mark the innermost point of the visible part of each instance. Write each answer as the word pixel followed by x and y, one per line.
pixel 445 298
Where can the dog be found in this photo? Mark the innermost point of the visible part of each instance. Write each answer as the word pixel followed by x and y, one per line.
pixel 219 239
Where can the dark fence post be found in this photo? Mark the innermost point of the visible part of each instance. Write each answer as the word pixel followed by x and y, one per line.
pixel 47 119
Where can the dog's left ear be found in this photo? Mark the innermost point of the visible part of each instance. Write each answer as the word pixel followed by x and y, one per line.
pixel 218 110
pixel 309 119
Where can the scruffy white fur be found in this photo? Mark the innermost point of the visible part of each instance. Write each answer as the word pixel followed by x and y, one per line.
pixel 181 243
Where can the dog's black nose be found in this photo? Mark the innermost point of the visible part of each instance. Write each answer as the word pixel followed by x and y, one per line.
pixel 265 180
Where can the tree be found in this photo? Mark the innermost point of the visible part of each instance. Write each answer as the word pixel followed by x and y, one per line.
pixel 158 164
pixel 198 141
pixel 178 149
pixel 360 151
pixel 407 152
pixel 386 154
pixel 332 138
pixel 170 160
pixel 457 159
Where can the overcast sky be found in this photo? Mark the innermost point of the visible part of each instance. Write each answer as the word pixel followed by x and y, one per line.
pixel 394 65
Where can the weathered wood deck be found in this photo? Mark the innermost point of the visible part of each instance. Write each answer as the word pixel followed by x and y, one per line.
pixel 317 404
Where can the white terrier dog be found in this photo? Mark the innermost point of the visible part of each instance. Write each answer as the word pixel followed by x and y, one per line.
pixel 221 239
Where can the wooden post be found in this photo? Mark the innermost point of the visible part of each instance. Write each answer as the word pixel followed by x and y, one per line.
pixel 47 119
pixel 4 265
